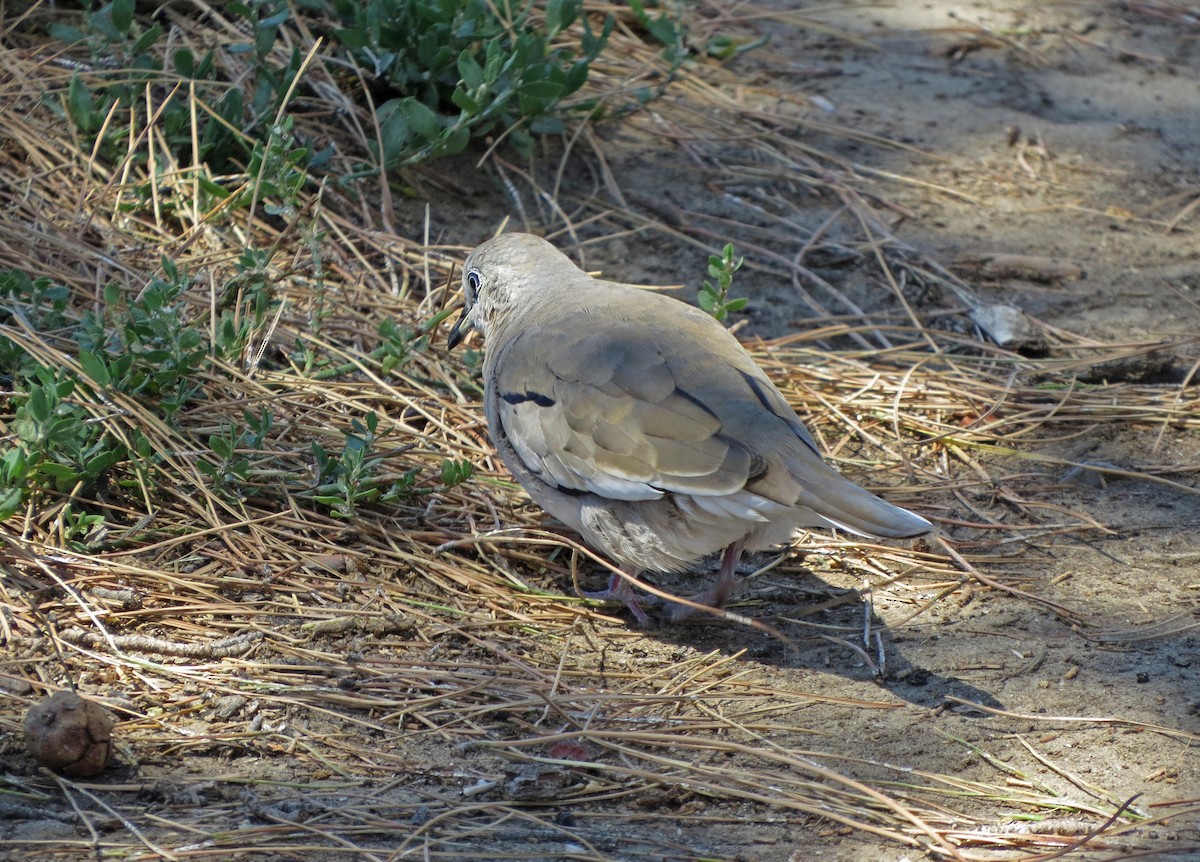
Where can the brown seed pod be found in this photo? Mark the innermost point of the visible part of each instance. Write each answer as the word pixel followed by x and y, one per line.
pixel 69 734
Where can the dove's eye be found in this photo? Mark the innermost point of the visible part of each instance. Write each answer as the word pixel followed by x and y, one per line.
pixel 473 279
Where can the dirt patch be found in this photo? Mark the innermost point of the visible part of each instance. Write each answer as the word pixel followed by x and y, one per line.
pixel 457 702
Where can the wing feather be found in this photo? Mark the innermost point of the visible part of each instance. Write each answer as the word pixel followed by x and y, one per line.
pixel 605 413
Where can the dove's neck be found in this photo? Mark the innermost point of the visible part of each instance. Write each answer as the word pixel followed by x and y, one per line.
pixel 549 301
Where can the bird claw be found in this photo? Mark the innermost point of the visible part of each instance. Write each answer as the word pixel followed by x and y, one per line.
pixel 714 598
pixel 620 591
pixel 717 595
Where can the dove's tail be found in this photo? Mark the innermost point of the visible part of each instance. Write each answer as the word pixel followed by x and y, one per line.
pixel 840 503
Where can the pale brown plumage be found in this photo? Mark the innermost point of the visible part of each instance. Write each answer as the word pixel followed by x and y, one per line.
pixel 642 423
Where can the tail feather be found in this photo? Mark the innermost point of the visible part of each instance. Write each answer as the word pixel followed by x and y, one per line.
pixel 857 510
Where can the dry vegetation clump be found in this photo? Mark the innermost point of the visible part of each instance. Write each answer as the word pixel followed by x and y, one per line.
pixel 250 504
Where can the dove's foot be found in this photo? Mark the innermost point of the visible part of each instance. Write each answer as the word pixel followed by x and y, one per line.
pixel 717 595
pixel 621 591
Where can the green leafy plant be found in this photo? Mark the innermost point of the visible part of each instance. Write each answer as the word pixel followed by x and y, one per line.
pixel 231 471
pixel 352 479
pixel 234 120
pixel 141 347
pixel 714 298
pixel 112 34
pixel 460 69
pixel 664 28
pixel 356 476
pixel 144 347
pixel 40 304
pixel 456 472
pixel 277 170
pixel 116 41
pixel 83 531
pixel 67 435
pixel 54 446
pixel 450 71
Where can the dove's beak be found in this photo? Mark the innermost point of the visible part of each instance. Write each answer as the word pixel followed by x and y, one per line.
pixel 459 330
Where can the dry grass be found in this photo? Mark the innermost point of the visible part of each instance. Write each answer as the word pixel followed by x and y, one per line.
pixel 418 680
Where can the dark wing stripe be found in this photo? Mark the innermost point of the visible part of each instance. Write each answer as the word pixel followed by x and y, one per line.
pixel 689 397
pixel 764 398
pixel 521 397
pixel 758 391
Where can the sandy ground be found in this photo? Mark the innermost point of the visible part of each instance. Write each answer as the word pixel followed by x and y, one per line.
pixel 1069 132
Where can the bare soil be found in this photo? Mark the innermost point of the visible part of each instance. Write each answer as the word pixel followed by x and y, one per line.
pixel 1064 137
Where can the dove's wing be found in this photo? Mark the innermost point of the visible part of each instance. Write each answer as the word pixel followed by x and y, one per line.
pixel 607 412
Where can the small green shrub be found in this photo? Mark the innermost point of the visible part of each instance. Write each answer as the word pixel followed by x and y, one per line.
pixel 714 298
pixel 140 347
pixel 128 57
pixel 55 445
pixel 354 478
pixel 452 70
pixel 461 69
pixel 144 347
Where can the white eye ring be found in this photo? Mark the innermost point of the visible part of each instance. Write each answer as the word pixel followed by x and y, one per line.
pixel 473 279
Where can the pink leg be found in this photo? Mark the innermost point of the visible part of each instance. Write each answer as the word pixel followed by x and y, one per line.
pixel 620 590
pixel 719 593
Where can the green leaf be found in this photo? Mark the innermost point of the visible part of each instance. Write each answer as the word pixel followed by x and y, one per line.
pixel 221 447
pixel 465 103
pixel 98 464
pixel 64 477
pixel 102 23
pixel 455 142
pixel 213 189
pixel 64 32
pixel 122 15
pixel 354 39
pixel 559 16
pixel 37 406
pixel 545 90
pixel 576 77
pixel 547 125
pixel 79 104
pixel 13 467
pixel 420 118
pixel 14 283
pixel 10 501
pixel 184 62
pixel 538 97
pixel 592 44
pixel 470 70
pixel 147 39
pixel 94 367
pixel 64 431
pixel 394 132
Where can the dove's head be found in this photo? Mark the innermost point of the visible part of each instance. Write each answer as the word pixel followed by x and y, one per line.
pixel 504 274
